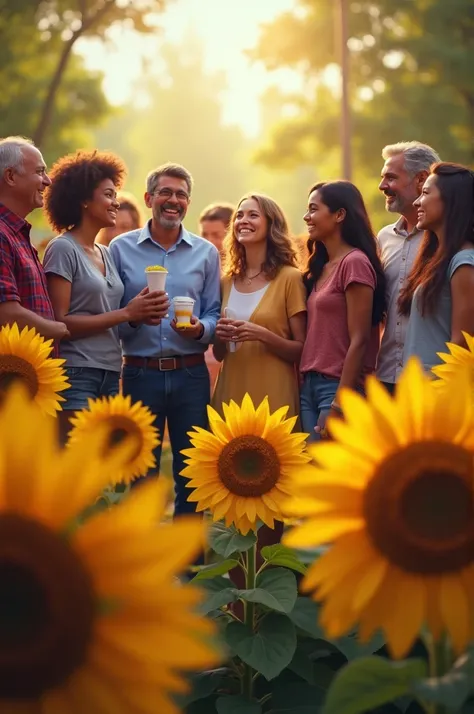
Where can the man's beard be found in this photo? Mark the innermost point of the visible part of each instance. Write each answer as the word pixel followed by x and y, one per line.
pixel 169 223
pixel 395 206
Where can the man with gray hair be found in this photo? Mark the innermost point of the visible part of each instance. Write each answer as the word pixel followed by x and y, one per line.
pixel 407 164
pixel 23 294
pixel 163 364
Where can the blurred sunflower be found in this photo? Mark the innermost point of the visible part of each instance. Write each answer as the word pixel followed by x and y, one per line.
pixel 123 420
pixel 394 494
pixel 242 469
pixel 25 357
pixel 457 358
pixel 91 617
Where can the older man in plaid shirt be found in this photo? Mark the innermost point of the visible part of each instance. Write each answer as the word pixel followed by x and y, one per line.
pixel 23 295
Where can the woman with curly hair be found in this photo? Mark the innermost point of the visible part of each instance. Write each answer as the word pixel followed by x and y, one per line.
pixel 260 337
pixel 345 283
pixel 83 283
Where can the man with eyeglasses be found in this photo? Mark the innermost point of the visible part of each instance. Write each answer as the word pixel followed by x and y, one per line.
pixel 164 366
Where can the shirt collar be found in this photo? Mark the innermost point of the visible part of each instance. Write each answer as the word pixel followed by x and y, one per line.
pixel 400 228
pixel 145 234
pixel 15 221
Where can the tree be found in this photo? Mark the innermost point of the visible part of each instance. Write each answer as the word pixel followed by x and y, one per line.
pixel 73 19
pixel 411 78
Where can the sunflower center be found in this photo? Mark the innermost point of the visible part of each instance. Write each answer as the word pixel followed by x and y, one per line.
pixel 248 466
pixel 122 428
pixel 15 369
pixel 47 609
pixel 419 508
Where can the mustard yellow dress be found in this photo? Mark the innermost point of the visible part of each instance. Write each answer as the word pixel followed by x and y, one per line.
pixel 253 368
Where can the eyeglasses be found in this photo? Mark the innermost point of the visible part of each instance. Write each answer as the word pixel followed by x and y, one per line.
pixel 168 193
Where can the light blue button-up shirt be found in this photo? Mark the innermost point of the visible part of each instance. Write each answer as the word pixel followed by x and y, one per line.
pixel 193 270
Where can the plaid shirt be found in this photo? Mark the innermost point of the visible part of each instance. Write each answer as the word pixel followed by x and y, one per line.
pixel 21 274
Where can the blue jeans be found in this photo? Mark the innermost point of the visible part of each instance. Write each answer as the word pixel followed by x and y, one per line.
pixel 317 393
pixel 88 383
pixel 179 398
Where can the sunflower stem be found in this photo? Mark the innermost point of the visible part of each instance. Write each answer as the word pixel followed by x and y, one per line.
pixel 249 616
pixel 439 664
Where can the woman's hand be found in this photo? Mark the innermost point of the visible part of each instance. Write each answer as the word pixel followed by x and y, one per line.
pixel 225 329
pixel 248 332
pixel 148 306
pixel 321 426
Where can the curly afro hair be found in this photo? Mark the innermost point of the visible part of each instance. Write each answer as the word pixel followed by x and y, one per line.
pixel 74 179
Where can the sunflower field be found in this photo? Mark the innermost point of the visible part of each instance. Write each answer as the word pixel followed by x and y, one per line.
pixel 364 606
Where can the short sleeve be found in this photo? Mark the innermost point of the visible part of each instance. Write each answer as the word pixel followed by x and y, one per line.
pixel 356 268
pixel 295 293
pixel 8 286
pixel 60 259
pixel 464 257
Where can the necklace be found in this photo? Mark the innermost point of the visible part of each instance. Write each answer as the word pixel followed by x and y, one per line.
pixel 249 279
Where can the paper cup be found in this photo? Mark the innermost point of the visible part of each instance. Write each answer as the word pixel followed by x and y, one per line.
pixel 156 279
pixel 232 315
pixel 183 311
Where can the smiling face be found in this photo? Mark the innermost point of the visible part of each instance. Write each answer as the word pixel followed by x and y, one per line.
pixel 321 223
pixel 169 202
pixel 103 206
pixel 430 207
pixel 250 223
pixel 400 187
pixel 29 180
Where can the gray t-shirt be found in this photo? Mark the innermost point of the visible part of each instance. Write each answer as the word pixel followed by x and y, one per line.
pixel 91 294
pixel 428 335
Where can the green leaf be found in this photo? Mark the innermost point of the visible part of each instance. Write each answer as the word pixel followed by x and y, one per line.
pixel 305 616
pixel 352 648
pixel 276 589
pixel 281 555
pixel 237 705
pixel 210 571
pixel 309 555
pixel 370 682
pixel 219 592
pixel 317 674
pixel 270 649
pixel 452 689
pixel 227 541
pixel 202 684
pixel 296 698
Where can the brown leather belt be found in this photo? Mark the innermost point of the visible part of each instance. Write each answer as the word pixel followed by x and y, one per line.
pixel 164 364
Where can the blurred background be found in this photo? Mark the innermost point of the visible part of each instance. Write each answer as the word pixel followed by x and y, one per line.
pixel 265 95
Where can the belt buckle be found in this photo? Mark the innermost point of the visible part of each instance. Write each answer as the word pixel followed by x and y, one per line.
pixel 166 359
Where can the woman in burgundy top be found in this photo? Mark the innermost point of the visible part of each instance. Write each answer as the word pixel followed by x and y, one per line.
pixel 346 301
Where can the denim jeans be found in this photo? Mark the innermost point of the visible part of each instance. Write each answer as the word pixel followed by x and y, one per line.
pixel 179 398
pixel 317 393
pixel 88 383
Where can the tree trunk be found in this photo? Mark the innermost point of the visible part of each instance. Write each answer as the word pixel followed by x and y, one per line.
pixel 48 105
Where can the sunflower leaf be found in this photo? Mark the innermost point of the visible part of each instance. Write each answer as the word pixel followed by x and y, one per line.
pixel 237 705
pixel 452 689
pixel 305 616
pixel 227 541
pixel 281 555
pixel 276 589
pixel 369 682
pixel 219 592
pixel 210 571
pixel 270 649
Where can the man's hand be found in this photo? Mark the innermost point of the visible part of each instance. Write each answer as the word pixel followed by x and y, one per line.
pixel 195 332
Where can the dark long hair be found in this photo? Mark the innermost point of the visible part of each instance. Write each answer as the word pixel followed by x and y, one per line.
pixel 356 231
pixel 456 186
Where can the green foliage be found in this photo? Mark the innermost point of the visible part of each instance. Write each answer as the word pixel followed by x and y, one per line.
pixel 226 541
pixel 281 555
pixel 369 682
pixel 451 689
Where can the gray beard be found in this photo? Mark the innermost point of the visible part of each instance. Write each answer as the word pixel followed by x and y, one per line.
pixel 395 207
pixel 169 223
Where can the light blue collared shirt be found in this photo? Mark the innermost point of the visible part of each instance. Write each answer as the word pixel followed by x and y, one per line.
pixel 193 270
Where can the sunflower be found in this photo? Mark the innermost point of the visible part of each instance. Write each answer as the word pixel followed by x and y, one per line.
pixel 92 618
pixel 394 494
pixel 123 420
pixel 25 357
pixel 241 471
pixel 457 358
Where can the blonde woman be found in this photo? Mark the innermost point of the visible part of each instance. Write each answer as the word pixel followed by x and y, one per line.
pixel 260 336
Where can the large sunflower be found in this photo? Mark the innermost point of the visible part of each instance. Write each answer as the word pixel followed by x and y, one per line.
pixel 123 420
pixel 241 471
pixel 457 358
pixel 91 617
pixel 394 494
pixel 25 357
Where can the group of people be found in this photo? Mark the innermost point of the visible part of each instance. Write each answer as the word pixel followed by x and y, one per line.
pixel 362 304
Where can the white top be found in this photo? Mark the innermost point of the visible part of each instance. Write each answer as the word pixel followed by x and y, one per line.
pixel 243 305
